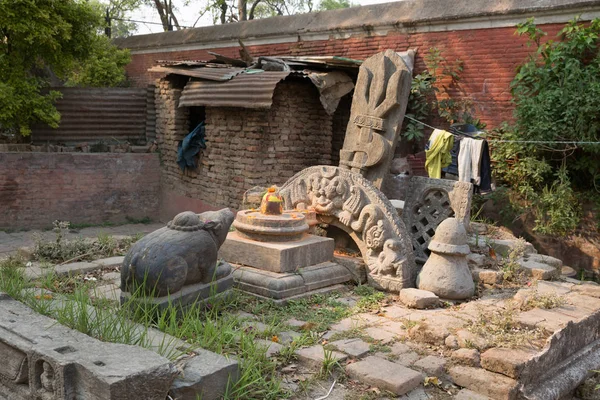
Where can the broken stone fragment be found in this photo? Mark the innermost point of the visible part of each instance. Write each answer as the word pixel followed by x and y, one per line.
pixel 416 298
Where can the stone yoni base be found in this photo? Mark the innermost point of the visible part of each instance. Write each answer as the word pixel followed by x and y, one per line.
pixel 198 293
pixel 277 257
pixel 287 286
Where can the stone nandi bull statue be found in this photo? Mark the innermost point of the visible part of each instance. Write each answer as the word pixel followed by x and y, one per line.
pixel 182 253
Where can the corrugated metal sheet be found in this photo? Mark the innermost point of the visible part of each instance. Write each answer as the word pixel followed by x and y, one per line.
pixel 213 74
pixel 92 114
pixel 244 91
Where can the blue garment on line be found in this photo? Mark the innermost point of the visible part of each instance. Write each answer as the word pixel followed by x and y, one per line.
pixel 190 146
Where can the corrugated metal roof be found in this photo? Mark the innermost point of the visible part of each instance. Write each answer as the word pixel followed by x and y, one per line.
pixel 213 74
pixel 248 90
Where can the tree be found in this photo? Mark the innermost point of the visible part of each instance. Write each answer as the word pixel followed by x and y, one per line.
pixel 335 4
pixel 38 40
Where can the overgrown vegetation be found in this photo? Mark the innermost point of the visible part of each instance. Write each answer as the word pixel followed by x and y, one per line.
pixel 557 96
pixel 62 250
pixel 430 96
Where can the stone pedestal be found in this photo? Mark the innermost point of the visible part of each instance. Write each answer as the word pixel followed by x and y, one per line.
pixel 277 256
pixel 282 287
pixel 195 294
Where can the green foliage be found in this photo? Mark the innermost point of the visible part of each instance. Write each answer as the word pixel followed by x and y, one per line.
pixel 40 40
pixel 556 94
pixel 429 96
pixel 335 4
pixel 103 68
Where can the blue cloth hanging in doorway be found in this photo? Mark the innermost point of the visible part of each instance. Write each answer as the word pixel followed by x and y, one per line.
pixel 190 146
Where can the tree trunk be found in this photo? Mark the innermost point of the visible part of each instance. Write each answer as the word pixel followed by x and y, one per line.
pixel 242 10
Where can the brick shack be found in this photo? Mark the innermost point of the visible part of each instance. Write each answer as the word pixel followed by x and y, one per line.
pixel 260 127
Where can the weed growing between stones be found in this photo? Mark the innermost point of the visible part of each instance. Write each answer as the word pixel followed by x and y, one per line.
pixel 62 250
pixel 370 299
pixel 539 300
pixel 499 329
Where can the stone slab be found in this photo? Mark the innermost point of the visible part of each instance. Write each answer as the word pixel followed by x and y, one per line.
pixel 353 347
pixel 110 261
pixel 205 376
pixel 385 375
pixel 381 335
pixel 417 298
pixel 74 268
pixel 487 383
pixel 277 257
pixel 470 357
pixel 56 361
pixel 431 365
pixel 314 356
pixel 285 286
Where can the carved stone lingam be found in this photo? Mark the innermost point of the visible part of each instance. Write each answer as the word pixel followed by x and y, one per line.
pixel 275 255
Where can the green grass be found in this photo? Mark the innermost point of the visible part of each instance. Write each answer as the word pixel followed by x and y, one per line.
pixel 215 327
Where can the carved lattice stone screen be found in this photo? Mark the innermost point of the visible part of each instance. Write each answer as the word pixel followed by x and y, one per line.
pixel 429 202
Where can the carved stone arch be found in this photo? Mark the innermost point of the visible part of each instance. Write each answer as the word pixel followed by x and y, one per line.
pixel 350 202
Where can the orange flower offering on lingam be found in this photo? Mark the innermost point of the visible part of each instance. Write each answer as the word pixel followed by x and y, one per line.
pixel 272 203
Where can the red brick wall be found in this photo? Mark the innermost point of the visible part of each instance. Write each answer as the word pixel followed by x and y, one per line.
pixel 39 188
pixel 490 58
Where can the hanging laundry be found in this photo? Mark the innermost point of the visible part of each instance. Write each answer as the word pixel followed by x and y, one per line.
pixel 485 170
pixel 469 159
pixel 190 146
pixel 438 155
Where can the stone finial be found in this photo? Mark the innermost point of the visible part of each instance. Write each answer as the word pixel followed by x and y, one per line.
pixel 446 272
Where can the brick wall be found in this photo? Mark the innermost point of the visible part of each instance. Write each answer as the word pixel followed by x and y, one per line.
pixel 38 188
pixel 490 58
pixel 245 148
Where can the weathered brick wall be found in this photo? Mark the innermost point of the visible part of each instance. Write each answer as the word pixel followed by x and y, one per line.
pixel 245 148
pixel 39 188
pixel 490 57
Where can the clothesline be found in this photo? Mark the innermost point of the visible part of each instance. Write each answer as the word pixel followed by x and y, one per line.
pixel 456 132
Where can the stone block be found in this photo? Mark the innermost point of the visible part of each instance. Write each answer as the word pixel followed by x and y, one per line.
pixel 486 276
pixel 547 319
pixel 407 359
pixel 277 257
pixel 109 292
pixel 484 382
pixel 538 270
pixel 315 355
pixel 509 362
pixel 417 298
pixel 206 376
pixel 288 337
pixel 381 335
pixel 271 348
pixel 50 361
pixel 385 375
pixel 588 290
pixel 431 365
pixel 353 347
pixel 468 357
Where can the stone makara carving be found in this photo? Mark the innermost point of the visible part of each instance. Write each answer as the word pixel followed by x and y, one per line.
pixel 378 107
pixel 182 253
pixel 350 202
